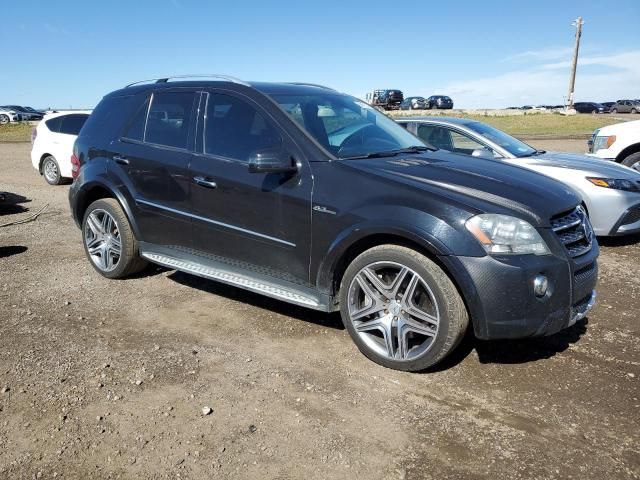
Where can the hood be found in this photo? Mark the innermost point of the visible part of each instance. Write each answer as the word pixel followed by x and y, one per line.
pixel 618 128
pixel 589 166
pixel 488 185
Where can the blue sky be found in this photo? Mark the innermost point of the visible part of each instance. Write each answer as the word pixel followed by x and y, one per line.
pixel 484 54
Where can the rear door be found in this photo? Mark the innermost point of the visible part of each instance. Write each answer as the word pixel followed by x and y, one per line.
pixel 253 220
pixel 151 163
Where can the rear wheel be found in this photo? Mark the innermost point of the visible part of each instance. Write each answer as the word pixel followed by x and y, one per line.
pixel 614 110
pixel 108 240
pixel 632 161
pixel 51 170
pixel 401 309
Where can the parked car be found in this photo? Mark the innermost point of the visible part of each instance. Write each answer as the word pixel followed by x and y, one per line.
pixel 53 144
pixel 386 99
pixel 619 143
pixel 589 107
pixel 607 106
pixel 440 102
pixel 610 192
pixel 414 103
pixel 626 106
pixel 9 116
pixel 252 186
pixel 25 114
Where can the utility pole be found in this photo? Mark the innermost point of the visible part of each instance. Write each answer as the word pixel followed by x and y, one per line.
pixel 572 82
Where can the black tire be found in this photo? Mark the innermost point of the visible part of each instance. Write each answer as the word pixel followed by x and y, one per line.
pixel 129 261
pixel 453 321
pixel 593 112
pixel 4 119
pixel 614 110
pixel 631 160
pixel 633 110
pixel 51 170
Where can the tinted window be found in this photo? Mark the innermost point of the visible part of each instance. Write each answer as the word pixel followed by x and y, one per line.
pixel 53 124
pixel 107 119
pixel 437 136
pixel 169 118
pixel 137 125
pixel 72 124
pixel 234 129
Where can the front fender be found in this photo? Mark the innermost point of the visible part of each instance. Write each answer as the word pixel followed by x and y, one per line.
pixel 427 231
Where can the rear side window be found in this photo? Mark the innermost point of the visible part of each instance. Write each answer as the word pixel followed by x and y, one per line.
pixel 72 124
pixel 108 118
pixel 234 129
pixel 53 124
pixel 138 124
pixel 169 118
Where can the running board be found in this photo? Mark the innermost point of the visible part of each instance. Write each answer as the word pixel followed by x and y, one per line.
pixel 246 280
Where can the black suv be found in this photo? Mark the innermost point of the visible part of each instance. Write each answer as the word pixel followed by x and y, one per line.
pixel 313 197
pixel 388 99
pixel 589 107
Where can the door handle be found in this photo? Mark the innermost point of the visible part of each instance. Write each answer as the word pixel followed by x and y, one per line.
pixel 121 160
pixel 203 182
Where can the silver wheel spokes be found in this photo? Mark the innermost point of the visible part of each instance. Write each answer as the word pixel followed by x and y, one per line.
pixel 102 238
pixel 50 171
pixel 393 310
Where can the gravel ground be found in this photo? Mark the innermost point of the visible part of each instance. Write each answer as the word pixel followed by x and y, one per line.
pixel 170 376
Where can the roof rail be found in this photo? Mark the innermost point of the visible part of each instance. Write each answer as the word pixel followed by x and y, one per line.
pixel 312 85
pixel 214 76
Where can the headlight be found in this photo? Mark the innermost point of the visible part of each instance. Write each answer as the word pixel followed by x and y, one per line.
pixel 502 234
pixel 603 142
pixel 616 183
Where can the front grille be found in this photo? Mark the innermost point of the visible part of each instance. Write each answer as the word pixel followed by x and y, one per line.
pixel 574 231
pixel 632 216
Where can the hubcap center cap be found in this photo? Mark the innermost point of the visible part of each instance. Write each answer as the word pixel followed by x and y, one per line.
pixel 394 308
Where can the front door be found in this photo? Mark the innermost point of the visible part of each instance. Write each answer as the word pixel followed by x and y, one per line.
pixel 259 221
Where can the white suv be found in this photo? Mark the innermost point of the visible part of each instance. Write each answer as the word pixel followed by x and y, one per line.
pixel 619 143
pixel 53 140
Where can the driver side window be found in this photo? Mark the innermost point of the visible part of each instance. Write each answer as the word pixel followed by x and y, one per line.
pixel 466 145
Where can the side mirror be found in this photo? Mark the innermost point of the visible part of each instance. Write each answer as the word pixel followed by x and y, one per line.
pixel 271 160
pixel 482 153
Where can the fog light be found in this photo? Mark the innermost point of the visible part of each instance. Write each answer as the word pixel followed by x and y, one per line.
pixel 540 285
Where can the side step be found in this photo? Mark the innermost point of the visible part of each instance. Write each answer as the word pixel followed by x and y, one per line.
pixel 244 279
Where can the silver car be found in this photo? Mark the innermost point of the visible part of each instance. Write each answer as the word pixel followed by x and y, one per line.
pixel 611 192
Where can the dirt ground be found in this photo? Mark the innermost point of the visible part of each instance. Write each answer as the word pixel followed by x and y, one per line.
pixel 108 379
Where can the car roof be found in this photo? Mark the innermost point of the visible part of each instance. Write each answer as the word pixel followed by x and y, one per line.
pixel 65 112
pixel 267 88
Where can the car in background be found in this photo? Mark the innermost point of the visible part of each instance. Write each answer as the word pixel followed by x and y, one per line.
pixel 8 115
pixel 588 107
pixel 52 147
pixel 626 106
pixel 607 106
pixel 414 103
pixel 389 99
pixel 611 193
pixel 439 102
pixel 24 113
pixel 619 143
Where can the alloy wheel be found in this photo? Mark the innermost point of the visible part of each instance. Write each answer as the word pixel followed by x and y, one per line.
pixel 102 239
pixel 393 310
pixel 50 171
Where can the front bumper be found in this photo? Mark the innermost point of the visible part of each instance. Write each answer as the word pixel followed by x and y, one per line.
pixel 613 212
pixel 499 293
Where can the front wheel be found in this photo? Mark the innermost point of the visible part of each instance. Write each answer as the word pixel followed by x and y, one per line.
pixel 614 110
pixel 633 110
pixel 4 119
pixel 108 240
pixel 401 309
pixel 632 161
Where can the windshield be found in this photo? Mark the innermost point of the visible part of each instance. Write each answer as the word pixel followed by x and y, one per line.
pixel 512 145
pixel 345 126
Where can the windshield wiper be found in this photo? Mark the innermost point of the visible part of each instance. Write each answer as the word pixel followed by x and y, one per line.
pixel 390 153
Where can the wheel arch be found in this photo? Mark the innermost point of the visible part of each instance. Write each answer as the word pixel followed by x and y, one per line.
pixel 629 150
pixel 97 190
pixel 42 157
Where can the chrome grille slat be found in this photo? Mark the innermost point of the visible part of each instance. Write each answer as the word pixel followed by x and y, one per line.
pixel 574 231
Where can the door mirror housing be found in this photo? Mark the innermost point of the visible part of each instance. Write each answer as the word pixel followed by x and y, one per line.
pixel 272 160
pixel 482 153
